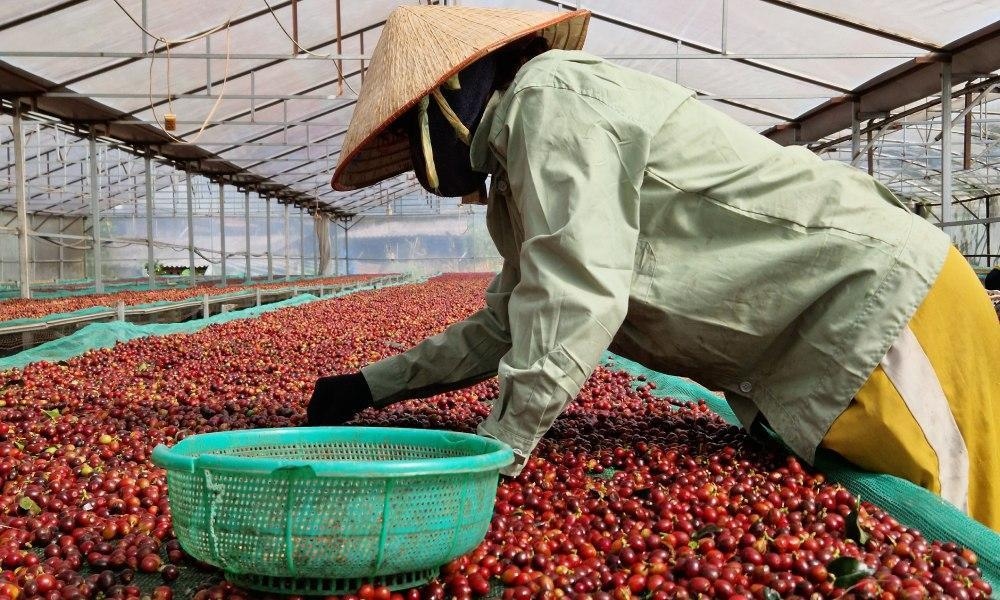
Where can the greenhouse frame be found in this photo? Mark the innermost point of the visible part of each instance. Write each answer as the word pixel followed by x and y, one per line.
pixel 263 98
pixel 730 332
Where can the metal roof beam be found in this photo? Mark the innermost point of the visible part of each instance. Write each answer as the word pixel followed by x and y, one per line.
pixel 973 56
pixel 855 25
pixel 39 14
pixel 162 49
pixel 709 49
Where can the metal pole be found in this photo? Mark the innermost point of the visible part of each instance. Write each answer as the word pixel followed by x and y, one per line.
pixel 270 259
pixel 340 50
pixel 288 275
pixel 145 20
pixel 246 228
pixel 190 219
pixel 302 242
pixel 222 230
pixel 855 133
pixel 335 249
pixel 150 255
pixel 946 181
pixel 967 139
pixel 871 154
pixel 95 215
pixel 62 264
pixel 725 28
pixel 295 27
pixel 347 251
pixel 21 192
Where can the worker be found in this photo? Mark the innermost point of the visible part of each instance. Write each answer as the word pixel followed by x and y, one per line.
pixel 630 215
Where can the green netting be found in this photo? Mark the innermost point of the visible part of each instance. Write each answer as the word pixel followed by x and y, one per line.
pixel 85 287
pixel 53 317
pixel 911 505
pixel 105 335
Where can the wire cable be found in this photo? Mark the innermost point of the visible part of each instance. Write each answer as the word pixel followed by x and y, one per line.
pixel 160 39
pixel 336 63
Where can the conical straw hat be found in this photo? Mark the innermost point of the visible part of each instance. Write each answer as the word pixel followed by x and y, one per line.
pixel 420 48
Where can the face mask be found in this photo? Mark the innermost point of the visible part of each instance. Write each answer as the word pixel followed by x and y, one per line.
pixel 440 129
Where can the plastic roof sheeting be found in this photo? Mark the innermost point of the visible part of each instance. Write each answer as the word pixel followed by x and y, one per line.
pixel 282 116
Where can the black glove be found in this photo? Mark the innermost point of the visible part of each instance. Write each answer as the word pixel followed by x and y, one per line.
pixel 337 399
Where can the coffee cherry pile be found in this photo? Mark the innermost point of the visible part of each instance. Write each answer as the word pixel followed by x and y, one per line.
pixel 628 496
pixel 17 308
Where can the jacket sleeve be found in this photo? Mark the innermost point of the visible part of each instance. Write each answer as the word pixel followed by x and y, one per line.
pixel 464 354
pixel 575 167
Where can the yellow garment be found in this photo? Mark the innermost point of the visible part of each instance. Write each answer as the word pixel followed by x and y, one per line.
pixel 958 331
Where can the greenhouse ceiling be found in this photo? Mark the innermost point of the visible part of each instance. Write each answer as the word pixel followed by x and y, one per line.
pixel 263 90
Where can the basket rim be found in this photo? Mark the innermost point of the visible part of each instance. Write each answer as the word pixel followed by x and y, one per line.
pixel 193 453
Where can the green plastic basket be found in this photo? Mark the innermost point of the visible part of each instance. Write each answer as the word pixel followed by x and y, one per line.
pixel 324 510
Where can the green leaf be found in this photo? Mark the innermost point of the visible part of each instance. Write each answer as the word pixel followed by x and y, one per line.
pixel 707 530
pixel 52 414
pixel 847 571
pixel 29 505
pixel 770 594
pixel 853 529
pixel 143 367
pixel 605 474
pixel 20 445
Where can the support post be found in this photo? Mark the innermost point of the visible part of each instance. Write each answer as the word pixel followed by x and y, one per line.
pixel 21 193
pixel 335 249
pixel 967 138
pixel 222 231
pixel 120 310
pixel 871 155
pixel 725 25
pixel 62 264
pixel 270 258
pixel 946 177
pixel 95 214
pixel 288 260
pixel 150 254
pixel 347 251
pixel 316 245
pixel 302 241
pixel 190 220
pixel 855 133
pixel 246 228
pixel 145 20
pixel 206 311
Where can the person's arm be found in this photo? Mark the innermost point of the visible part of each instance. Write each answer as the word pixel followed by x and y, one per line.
pixel 575 167
pixel 465 353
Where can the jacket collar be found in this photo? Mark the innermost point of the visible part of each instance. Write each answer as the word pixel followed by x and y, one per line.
pixel 480 152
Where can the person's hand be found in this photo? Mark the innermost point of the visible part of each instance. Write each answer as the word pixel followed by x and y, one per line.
pixel 336 400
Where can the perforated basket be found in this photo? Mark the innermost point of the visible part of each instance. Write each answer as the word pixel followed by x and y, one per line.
pixel 323 510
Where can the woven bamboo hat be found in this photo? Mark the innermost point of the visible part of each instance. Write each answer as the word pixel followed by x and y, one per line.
pixel 421 47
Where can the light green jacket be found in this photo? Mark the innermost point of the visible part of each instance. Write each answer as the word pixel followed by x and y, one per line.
pixel 631 215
